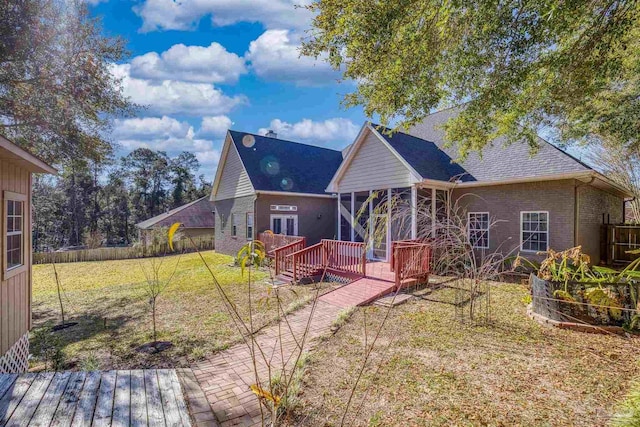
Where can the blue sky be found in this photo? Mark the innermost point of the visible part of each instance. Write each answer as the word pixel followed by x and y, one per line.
pixel 201 66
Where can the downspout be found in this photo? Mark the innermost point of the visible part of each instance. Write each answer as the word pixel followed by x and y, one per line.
pixel 255 218
pixel 576 208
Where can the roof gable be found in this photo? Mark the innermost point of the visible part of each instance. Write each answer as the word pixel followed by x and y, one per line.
pixel 232 179
pixel 499 161
pixel 278 165
pixel 197 214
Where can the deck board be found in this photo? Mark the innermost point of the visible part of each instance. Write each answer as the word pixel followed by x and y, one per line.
pixel 109 398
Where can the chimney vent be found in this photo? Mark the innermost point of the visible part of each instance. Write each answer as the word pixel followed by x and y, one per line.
pixel 271 134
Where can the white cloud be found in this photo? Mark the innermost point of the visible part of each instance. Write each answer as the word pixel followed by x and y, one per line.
pixel 338 130
pixel 186 14
pixel 275 55
pixel 203 64
pixel 175 97
pixel 167 134
pixel 215 125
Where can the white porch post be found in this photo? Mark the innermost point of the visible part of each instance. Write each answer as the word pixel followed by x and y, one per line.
pixel 339 217
pixel 414 212
pixel 433 212
pixel 353 215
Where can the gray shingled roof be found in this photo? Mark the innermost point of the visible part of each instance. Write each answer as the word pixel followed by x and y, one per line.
pixel 275 164
pixel 197 214
pixel 500 161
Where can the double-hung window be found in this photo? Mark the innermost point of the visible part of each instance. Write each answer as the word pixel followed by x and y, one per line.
pixel 478 224
pixel 534 230
pixel 234 225
pixel 14 223
pixel 250 226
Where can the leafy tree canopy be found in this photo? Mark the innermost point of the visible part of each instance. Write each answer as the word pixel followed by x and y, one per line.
pixel 517 65
pixel 57 94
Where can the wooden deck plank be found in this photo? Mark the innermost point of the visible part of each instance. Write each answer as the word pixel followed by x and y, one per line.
pixel 14 395
pixel 138 399
pixel 155 413
pixel 30 401
pixel 49 403
pixel 104 402
pixel 6 381
pixel 168 398
pixel 182 404
pixel 122 400
pixel 69 400
pixel 87 401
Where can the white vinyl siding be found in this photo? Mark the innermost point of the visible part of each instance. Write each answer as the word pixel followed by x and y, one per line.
pixel 234 181
pixel 374 167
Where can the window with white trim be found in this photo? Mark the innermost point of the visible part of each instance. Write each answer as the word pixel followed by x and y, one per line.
pixel 249 225
pixel 478 224
pixel 534 230
pixel 14 227
pixel 234 225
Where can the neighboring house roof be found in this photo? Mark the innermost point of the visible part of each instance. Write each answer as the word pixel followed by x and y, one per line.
pixel 197 214
pixel 424 156
pixel 277 165
pixel 11 151
pixel 500 161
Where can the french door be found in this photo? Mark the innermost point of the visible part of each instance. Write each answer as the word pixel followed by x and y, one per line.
pixel 284 224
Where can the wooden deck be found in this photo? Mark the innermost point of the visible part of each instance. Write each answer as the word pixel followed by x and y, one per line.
pixel 108 398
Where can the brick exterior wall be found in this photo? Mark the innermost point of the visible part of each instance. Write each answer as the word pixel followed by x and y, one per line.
pixel 505 202
pixel 225 242
pixel 592 204
pixel 317 216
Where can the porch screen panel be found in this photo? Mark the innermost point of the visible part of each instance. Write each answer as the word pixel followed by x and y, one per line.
pixel 400 206
pixel 362 215
pixel 345 215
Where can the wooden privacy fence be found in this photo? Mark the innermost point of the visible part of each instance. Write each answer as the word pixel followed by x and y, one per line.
pixel 273 241
pixel 126 252
pixel 616 241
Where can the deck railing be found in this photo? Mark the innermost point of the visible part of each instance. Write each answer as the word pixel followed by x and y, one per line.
pixel 283 262
pixel 411 260
pixel 394 245
pixel 274 241
pixel 345 256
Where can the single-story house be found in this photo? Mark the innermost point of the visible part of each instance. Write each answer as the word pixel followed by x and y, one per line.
pixel 265 183
pixel 16 169
pixel 197 220
pixel 541 201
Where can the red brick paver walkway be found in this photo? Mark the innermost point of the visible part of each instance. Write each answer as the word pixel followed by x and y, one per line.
pixel 225 377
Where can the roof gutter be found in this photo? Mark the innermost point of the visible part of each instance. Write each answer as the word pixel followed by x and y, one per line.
pixel 285 193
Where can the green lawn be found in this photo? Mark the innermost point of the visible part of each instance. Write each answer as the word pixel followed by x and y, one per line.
pixel 439 372
pixel 109 302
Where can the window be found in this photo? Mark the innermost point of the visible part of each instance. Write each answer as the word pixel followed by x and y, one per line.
pixel 250 226
pixel 14 215
pixel 534 229
pixel 478 223
pixel 234 225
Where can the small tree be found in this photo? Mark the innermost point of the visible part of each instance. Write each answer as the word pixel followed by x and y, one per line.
pixel 154 286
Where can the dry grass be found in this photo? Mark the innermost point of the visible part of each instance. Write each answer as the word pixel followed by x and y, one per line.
pixel 108 300
pixel 438 372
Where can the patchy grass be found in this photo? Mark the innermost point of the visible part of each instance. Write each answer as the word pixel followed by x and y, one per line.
pixel 108 300
pixel 436 371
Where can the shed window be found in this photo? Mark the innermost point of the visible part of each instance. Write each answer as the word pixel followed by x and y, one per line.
pixel 478 223
pixel 234 225
pixel 14 216
pixel 534 229
pixel 250 226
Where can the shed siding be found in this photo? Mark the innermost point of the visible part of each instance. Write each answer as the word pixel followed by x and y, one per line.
pixel 234 180
pixel 317 216
pixel 593 203
pixel 374 167
pixel 505 202
pixel 15 293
